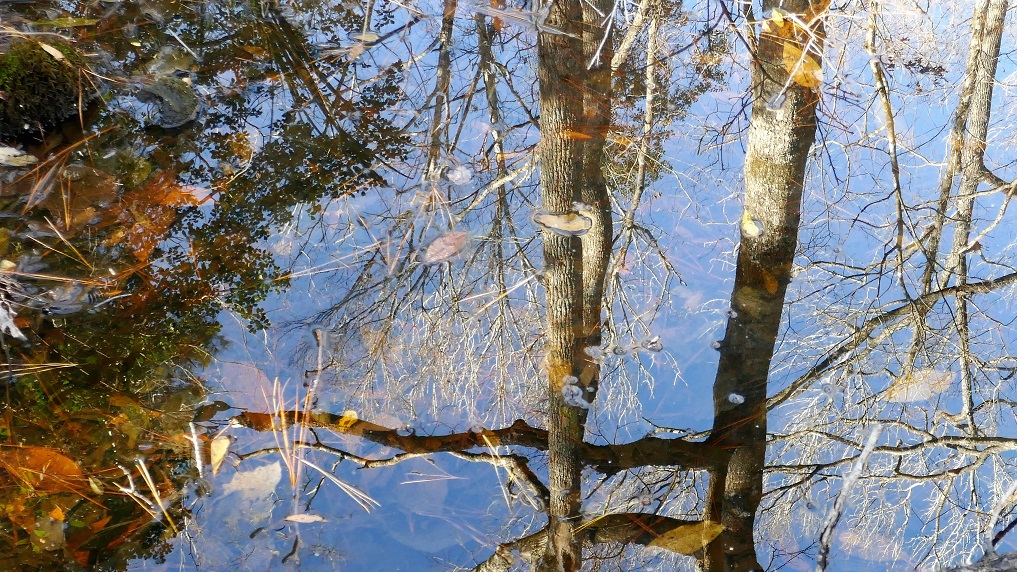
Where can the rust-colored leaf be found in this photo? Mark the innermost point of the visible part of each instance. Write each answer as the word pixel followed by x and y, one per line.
pixel 816 10
pixel 770 282
pixel 44 469
pixel 576 135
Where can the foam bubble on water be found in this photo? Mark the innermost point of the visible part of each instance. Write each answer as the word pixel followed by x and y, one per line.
pixel 652 345
pixel 459 175
pixel 595 352
pixel 645 500
pixel 573 395
pixel 735 398
pixel 619 350
pixel 570 380
pixel 406 430
pixel 716 344
pixel 732 313
pixel 568 224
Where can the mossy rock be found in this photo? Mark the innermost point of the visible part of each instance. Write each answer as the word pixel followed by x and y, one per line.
pixel 39 90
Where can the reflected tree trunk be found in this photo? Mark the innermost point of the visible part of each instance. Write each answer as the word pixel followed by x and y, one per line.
pixel 781 132
pixel 575 87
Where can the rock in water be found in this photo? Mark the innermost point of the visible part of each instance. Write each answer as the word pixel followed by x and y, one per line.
pixel 174 96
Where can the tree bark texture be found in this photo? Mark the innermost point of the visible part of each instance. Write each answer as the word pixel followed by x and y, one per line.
pixel 574 116
pixel 778 145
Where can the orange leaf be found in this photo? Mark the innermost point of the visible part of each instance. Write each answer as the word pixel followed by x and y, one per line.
pixel 576 135
pixel 43 469
pixel 769 282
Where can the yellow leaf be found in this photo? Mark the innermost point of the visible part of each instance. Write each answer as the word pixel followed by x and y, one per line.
pixel 689 538
pixel 57 514
pixel 777 16
pixel 218 449
pixel 804 68
pixel 348 419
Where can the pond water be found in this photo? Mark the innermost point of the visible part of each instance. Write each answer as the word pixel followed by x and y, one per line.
pixel 487 286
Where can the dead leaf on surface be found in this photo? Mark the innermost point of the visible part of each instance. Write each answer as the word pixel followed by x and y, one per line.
pixel 804 68
pixel 568 224
pixel 689 538
pixel 305 518
pixel 445 247
pixel 44 469
pixel 67 22
pixel 919 385
pixel 218 449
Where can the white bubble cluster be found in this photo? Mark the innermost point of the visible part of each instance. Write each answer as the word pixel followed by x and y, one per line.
pixel 459 175
pixel 573 395
pixel 652 345
pixel 735 398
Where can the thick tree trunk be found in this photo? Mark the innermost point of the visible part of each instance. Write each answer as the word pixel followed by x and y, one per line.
pixel 779 140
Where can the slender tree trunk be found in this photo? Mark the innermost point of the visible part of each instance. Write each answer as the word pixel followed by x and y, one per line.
pixel 574 116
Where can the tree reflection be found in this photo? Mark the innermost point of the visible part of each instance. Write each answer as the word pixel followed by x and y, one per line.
pixel 482 214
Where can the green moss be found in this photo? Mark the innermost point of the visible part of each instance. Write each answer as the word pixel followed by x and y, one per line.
pixel 39 91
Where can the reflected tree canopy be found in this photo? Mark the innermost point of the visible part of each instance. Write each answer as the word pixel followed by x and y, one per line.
pixel 581 285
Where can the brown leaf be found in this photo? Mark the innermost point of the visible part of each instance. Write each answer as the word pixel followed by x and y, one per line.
pixel 43 469
pixel 770 282
pixel 689 538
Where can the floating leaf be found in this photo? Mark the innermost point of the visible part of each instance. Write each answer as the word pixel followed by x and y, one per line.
pixel 217 451
pixel 777 16
pixel 257 484
pixel 689 538
pixel 577 135
pixel 804 68
pixel 366 37
pixel 305 518
pixel 95 485
pixel 445 247
pixel 919 385
pixel 11 157
pixel 568 224
pixel 68 22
